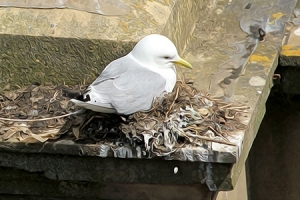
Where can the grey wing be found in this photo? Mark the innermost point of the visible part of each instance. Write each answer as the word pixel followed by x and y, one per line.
pixel 115 69
pixel 133 90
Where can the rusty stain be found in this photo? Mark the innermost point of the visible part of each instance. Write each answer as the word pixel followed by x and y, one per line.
pixel 277 15
pixel 259 58
pixel 123 25
pixel 289 50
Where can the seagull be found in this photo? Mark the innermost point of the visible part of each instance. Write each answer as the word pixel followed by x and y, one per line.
pixel 132 83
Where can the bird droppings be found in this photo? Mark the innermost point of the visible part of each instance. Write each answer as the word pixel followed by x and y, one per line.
pixel 257 81
pixel 297 32
pixel 175 170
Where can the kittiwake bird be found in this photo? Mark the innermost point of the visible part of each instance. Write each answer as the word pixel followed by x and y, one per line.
pixel 132 83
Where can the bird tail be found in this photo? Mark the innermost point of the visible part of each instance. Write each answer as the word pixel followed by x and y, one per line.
pixel 93 107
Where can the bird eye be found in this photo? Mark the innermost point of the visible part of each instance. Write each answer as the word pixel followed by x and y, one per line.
pixel 166 57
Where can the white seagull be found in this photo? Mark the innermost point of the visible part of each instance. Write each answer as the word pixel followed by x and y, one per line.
pixel 132 83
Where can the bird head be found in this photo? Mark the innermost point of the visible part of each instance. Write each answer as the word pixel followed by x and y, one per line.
pixel 158 50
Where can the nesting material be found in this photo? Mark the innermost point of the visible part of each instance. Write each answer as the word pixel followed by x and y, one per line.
pixel 185 117
pixel 34 114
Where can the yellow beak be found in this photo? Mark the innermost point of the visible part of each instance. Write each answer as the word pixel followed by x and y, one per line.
pixel 183 63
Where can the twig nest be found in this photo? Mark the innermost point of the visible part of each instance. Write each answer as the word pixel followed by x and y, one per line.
pixel 33 114
pixel 184 117
pixel 203 111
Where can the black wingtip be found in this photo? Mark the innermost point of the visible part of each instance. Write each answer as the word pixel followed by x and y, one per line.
pixel 75 95
pixel 83 98
pixel 70 93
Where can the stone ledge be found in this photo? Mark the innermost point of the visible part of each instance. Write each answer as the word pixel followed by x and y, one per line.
pixel 290 50
pixel 217 153
pixel 20 184
pixel 207 55
pixel 45 45
pixel 226 57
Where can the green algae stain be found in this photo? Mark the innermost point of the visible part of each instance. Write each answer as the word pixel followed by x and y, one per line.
pixel 26 59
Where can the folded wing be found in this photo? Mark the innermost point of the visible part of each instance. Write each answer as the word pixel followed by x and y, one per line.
pixel 126 87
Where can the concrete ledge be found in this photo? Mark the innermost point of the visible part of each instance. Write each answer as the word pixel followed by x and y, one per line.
pixel 218 45
pixel 45 45
pixel 290 51
pixel 36 186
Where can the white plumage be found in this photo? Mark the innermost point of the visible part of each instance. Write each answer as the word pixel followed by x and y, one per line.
pixel 131 83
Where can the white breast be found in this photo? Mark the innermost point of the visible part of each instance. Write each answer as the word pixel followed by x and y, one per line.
pixel 167 73
pixel 170 75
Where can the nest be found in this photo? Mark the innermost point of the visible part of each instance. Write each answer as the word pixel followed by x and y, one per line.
pixel 34 114
pixel 184 117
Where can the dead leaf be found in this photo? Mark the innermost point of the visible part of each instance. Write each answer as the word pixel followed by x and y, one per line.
pixel 76 132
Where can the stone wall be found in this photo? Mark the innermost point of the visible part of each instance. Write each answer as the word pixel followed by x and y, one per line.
pixel 71 46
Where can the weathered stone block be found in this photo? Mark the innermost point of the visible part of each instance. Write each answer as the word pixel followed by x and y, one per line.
pixel 290 50
pixel 66 45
